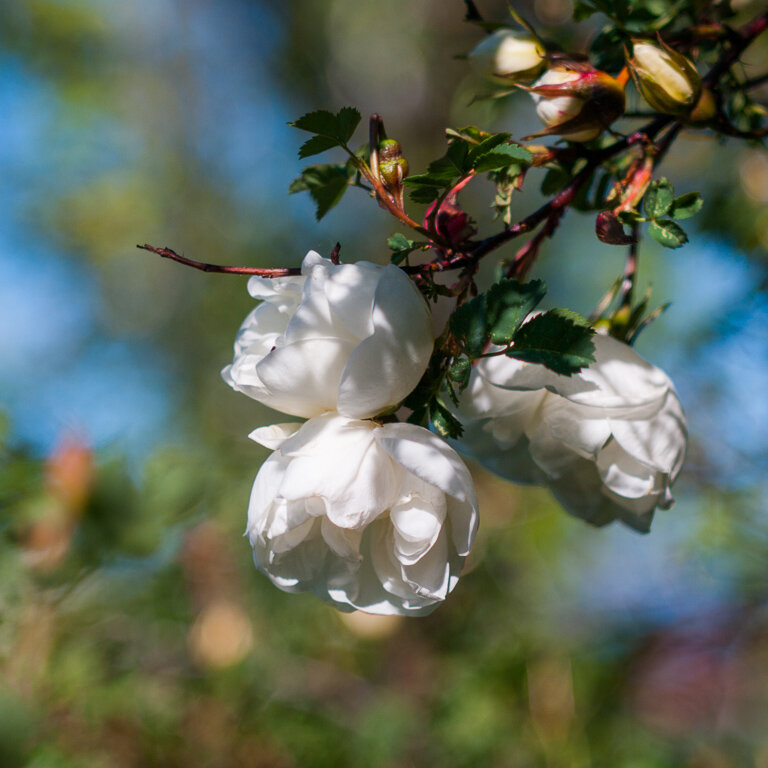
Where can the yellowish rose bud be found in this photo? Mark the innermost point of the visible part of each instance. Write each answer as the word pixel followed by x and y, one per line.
pixel 576 101
pixel 507 57
pixel 667 80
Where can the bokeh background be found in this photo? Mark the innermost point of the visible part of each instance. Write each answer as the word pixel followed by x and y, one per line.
pixel 134 630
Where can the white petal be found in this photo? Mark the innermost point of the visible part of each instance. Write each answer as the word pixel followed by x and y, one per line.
pixel 347 468
pixel 388 364
pixel 351 289
pixel 342 541
pixel 434 461
pixel 314 259
pixel 658 442
pixel 566 423
pixel 275 435
pixel 624 475
pixel 418 519
pixel 427 456
pixel 430 576
pixel 265 489
pixel 302 378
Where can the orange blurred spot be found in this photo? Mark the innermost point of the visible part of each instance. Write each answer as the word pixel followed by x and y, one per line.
pixel 221 636
pixel 369 626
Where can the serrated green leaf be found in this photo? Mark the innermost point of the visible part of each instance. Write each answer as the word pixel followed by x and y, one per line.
pixel 668 233
pixel 316 145
pixel 321 122
pixel 469 324
pixel 508 304
pixel 333 128
pixel 658 198
pixel 460 371
pixel 347 120
pixel 443 172
pixel 444 422
pixel 484 146
pixel 502 156
pixel 325 183
pixel 686 205
pixel 559 339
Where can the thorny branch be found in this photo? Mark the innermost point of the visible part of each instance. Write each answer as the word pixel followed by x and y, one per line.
pixel 467 255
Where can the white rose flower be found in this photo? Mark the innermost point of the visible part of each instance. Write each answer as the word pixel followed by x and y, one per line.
pixel 353 338
pixel 608 441
pixel 369 517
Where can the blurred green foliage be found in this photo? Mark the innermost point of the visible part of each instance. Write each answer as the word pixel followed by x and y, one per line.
pixel 134 630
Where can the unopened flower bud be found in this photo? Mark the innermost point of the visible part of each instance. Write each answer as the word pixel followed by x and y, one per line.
pixel 576 101
pixel 507 56
pixel 667 80
pixel 393 167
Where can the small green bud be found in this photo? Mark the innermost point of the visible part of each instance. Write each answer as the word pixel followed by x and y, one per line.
pixel 393 167
pixel 667 80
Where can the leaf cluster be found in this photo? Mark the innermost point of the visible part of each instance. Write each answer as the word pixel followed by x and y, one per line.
pixel 661 209
pixel 327 182
pixel 469 151
pixel 558 339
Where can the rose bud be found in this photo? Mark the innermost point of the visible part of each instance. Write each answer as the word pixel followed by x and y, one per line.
pixel 666 79
pixel 507 56
pixel 576 101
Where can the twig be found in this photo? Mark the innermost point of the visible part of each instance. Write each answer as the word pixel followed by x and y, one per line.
pixel 754 82
pixel 168 253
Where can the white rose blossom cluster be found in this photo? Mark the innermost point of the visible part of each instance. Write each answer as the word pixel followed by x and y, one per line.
pixel 377 515
pixel 366 515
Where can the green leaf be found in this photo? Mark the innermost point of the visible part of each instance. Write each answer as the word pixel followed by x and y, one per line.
pixel 322 122
pixel 502 155
pixel 325 183
pixel 316 145
pixel 658 198
pixel 686 205
pixel 444 422
pixel 332 130
pixel 441 173
pixel 469 324
pixel 484 146
pixel 509 303
pixel 400 246
pixel 460 371
pixel 347 120
pixel 669 234
pixel 559 339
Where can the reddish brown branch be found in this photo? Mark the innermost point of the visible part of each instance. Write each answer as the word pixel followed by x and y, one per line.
pixel 168 253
